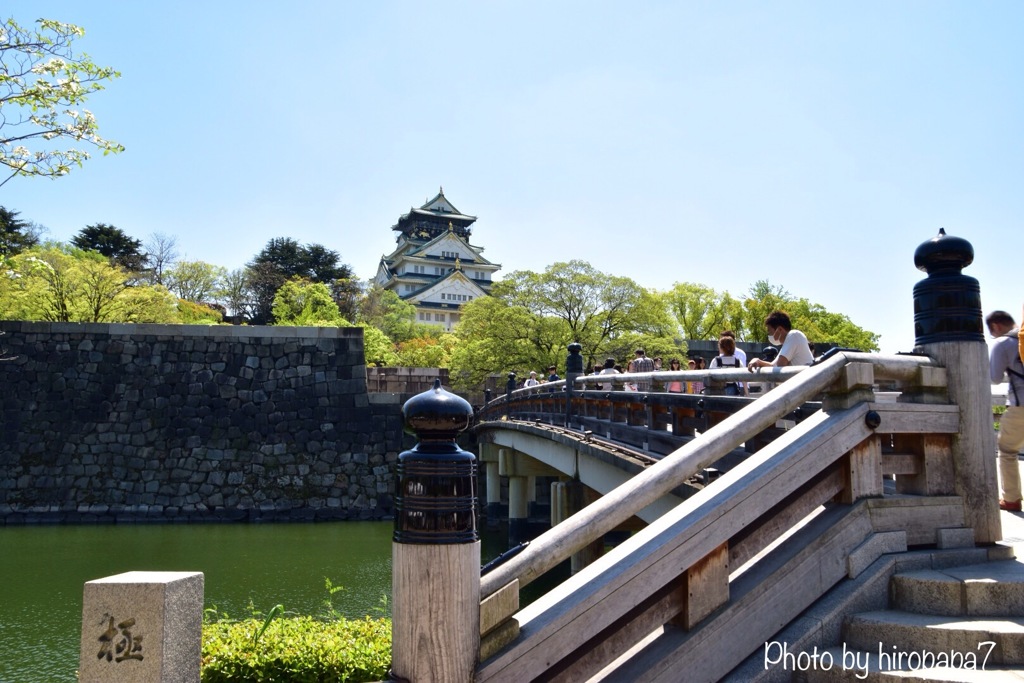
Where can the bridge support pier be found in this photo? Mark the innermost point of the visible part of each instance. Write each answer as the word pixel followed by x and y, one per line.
pixel 567 498
pixel 579 497
pixel 518 507
pixel 493 494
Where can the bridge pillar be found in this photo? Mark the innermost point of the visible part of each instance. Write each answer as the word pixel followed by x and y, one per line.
pixel 948 327
pixel 567 498
pixel 493 494
pixel 518 510
pixel 580 496
pixel 531 496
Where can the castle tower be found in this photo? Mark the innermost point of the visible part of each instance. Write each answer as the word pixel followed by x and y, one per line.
pixel 434 267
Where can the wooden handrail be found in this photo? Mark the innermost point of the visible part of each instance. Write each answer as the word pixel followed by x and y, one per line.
pixel 614 508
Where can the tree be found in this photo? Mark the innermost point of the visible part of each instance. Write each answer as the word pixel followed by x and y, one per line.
pixel 377 347
pixel 700 311
pixel 530 319
pixel 195 281
pixel 428 352
pixel 42 84
pixel 313 262
pixel 161 254
pixel 113 243
pixel 16 235
pixel 262 280
pixel 389 313
pixel 595 309
pixel 283 258
pixel 762 298
pixel 822 326
pixel 60 283
pixel 236 295
pixel 301 302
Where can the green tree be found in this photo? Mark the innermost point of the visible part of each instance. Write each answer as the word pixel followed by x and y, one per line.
pixel 283 258
pixel 822 326
pixel 594 307
pixel 43 82
pixel 378 348
pixel 60 283
pixel 114 243
pixel 700 311
pixel 428 352
pixel 16 235
pixel 530 319
pixel 196 281
pixel 388 312
pixel 301 302
pixel 762 298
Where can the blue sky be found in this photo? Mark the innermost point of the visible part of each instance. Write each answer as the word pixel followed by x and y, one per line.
pixel 812 144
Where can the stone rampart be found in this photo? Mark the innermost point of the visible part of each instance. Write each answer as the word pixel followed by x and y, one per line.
pixel 128 423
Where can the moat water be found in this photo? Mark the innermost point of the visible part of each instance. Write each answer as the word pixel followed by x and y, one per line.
pixel 43 569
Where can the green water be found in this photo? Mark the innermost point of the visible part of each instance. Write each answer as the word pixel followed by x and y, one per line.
pixel 42 570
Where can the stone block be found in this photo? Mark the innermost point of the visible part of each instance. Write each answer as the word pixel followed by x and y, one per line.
pixel 144 627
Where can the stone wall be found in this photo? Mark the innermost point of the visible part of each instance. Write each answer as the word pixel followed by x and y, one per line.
pixel 132 423
pixel 405 381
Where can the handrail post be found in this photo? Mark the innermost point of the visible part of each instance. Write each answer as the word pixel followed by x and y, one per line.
pixel 948 327
pixel 573 369
pixel 435 634
pixel 510 386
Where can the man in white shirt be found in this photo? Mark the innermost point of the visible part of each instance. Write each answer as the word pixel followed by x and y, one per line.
pixel 795 348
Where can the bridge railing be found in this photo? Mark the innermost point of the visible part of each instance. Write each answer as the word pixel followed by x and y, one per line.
pixel 616 507
pixel 655 418
pixel 678 569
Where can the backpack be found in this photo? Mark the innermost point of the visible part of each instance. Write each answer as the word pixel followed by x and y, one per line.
pixel 732 388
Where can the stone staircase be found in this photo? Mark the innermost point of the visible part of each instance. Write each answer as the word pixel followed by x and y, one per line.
pixel 956 624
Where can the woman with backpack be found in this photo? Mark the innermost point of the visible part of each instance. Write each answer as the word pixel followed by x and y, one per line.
pixel 727 358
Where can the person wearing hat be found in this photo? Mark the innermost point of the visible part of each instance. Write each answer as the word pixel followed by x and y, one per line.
pixel 532 380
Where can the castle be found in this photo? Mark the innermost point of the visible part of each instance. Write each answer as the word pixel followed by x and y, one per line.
pixel 434 267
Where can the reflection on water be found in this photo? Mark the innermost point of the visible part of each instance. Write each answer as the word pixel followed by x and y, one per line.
pixel 42 570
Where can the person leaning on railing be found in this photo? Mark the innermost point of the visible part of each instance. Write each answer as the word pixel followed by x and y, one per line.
pixel 794 350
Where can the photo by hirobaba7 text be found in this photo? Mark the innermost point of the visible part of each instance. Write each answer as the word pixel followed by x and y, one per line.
pixel 888 659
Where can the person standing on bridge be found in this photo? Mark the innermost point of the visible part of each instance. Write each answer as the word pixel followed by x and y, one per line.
pixel 608 369
pixel 642 363
pixel 1005 365
pixel 727 358
pixel 739 353
pixel 794 350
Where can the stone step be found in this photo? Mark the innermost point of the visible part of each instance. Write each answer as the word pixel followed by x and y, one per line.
pixel 992 589
pixel 867 667
pixel 894 632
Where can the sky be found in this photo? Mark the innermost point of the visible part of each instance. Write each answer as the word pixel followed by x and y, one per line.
pixel 815 145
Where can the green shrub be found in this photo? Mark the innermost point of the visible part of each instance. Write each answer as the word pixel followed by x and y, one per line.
pixel 298 649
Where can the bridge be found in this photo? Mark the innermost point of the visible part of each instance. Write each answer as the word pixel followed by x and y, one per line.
pixel 842 464
pixel 836 484
pixel 853 478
